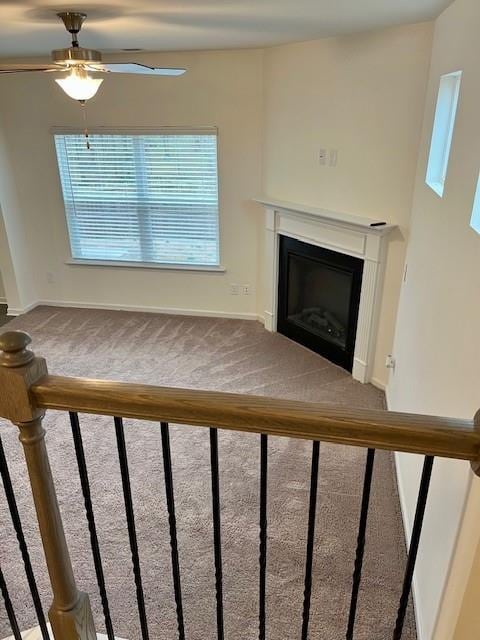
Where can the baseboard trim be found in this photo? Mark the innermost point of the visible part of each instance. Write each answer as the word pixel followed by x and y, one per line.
pixel 144 309
pixel 407 526
pixel 18 311
pixel 416 611
pixel 379 384
pixel 268 321
pixel 387 397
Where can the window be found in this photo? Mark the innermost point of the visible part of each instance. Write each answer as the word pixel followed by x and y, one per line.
pixel 475 221
pixel 141 198
pixel 443 131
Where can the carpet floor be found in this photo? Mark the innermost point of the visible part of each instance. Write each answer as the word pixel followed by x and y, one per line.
pixel 225 355
pixel 3 315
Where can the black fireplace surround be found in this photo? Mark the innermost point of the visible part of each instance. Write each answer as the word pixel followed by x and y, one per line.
pixel 318 299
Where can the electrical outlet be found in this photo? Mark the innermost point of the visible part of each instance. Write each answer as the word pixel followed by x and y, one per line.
pixel 234 289
pixel 246 289
pixel 390 362
pixel 50 277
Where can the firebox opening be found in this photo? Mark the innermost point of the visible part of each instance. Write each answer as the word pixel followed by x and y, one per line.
pixel 318 299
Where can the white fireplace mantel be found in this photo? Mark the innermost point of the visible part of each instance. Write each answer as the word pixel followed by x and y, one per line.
pixel 341 232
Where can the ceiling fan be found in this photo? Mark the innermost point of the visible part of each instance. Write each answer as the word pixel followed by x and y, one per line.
pixel 77 62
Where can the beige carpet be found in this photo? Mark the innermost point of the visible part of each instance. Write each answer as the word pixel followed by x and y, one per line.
pixel 3 314
pixel 226 355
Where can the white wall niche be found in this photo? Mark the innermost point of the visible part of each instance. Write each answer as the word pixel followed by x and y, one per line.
pixel 442 133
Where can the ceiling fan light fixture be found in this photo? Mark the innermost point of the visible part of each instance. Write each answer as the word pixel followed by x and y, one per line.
pixel 79 85
pixel 76 61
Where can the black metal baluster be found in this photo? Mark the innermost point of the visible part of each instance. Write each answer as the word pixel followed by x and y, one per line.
pixel 217 536
pixel 127 495
pixel 17 524
pixel 9 608
pixel 167 467
pixel 414 543
pixel 82 470
pixel 357 573
pixel 307 593
pixel 263 536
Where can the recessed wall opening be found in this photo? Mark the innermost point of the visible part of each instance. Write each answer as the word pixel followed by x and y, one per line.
pixel 442 134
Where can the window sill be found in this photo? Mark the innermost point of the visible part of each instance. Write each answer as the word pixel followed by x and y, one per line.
pixel 146 265
pixel 438 187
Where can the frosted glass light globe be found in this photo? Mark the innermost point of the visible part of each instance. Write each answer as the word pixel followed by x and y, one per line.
pixel 79 85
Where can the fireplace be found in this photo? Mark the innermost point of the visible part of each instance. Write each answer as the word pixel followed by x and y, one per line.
pixel 362 244
pixel 319 298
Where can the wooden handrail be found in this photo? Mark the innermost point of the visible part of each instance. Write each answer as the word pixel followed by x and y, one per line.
pixel 27 390
pixel 411 433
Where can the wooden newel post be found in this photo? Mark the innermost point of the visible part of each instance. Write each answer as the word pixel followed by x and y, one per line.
pixel 70 614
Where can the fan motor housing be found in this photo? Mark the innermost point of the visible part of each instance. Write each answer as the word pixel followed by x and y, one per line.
pixel 76 55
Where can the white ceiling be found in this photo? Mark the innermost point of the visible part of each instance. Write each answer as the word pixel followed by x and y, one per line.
pixel 30 27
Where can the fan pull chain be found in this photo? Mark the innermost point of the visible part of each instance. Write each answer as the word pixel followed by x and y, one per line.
pixel 87 135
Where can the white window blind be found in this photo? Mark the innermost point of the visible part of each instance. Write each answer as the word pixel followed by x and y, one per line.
pixel 141 198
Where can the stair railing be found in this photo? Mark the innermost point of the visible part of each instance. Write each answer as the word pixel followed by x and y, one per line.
pixel 27 391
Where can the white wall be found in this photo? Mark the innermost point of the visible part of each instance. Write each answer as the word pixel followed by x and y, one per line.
pixel 468 621
pixel 15 265
pixel 437 343
pixel 459 606
pixel 363 95
pixel 220 88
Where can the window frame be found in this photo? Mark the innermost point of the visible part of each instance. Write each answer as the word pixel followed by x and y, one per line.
pixel 131 264
pixel 442 131
pixel 475 218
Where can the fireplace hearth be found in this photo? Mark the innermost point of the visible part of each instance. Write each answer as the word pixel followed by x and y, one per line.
pixel 318 299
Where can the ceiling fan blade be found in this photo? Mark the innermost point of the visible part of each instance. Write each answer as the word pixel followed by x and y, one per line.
pixel 134 67
pixel 24 68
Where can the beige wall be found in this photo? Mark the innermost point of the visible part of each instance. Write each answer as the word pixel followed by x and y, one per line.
pixel 468 622
pixel 437 344
pixel 364 96
pixel 220 88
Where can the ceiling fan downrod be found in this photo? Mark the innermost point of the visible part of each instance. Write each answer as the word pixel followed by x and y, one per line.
pixel 73 21
pixel 76 54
